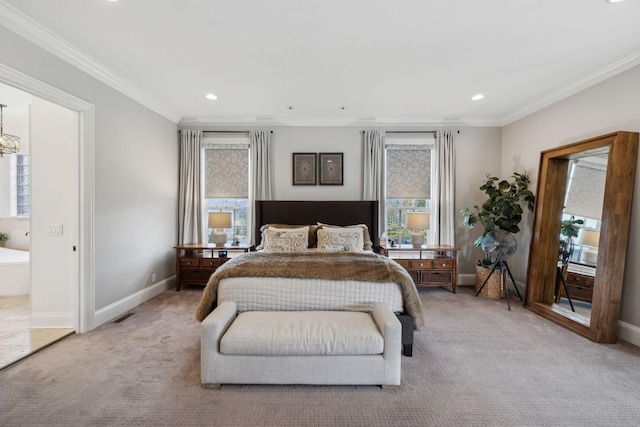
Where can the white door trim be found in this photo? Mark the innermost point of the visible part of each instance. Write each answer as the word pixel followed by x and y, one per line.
pixel 84 286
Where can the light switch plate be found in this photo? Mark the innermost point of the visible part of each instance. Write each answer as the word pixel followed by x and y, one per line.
pixel 54 229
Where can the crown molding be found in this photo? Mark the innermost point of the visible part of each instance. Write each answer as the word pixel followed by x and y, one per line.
pixel 573 87
pixel 24 26
pixel 379 122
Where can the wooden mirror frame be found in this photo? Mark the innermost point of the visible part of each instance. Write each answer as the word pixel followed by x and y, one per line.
pixel 614 234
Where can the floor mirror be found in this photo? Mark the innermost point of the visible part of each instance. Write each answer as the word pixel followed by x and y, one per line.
pixel 578 283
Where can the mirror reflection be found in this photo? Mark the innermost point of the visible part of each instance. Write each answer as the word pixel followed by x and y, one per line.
pixel 580 234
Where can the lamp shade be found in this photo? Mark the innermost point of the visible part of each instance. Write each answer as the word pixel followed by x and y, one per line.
pixel 219 220
pixel 418 220
pixel 589 238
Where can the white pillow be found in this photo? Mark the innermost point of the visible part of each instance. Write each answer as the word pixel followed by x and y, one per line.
pixel 286 240
pixel 340 239
pixel 361 243
pixel 368 244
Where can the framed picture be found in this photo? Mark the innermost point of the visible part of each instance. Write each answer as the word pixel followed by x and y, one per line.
pixel 330 165
pixel 304 169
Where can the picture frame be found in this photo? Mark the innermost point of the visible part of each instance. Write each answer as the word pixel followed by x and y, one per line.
pixel 304 168
pixel 330 166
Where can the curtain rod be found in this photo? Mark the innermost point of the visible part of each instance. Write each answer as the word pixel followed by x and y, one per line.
pixel 223 131
pixel 412 131
pixel 228 131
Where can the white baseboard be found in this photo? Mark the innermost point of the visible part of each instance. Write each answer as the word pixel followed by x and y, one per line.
pixel 121 307
pixel 466 279
pixel 629 333
pixel 51 321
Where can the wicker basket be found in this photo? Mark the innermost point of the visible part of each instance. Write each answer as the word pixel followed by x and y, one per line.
pixel 494 287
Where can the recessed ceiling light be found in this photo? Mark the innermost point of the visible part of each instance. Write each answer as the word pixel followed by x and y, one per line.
pixel 614 1
pixel 211 96
pixel 477 97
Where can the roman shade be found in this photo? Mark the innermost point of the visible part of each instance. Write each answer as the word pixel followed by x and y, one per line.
pixel 408 171
pixel 585 195
pixel 226 166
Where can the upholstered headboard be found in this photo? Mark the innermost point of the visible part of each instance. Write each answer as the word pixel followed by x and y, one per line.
pixel 305 212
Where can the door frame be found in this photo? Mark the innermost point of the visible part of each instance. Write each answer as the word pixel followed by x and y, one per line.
pixel 84 274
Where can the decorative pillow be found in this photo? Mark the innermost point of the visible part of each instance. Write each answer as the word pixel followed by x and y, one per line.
pixel 295 240
pixel 368 244
pixel 312 239
pixel 340 239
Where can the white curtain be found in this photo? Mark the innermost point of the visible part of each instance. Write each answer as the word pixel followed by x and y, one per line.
pixel 443 200
pixel 373 171
pixel 261 188
pixel 190 229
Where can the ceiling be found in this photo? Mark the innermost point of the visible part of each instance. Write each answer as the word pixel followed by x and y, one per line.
pixel 339 62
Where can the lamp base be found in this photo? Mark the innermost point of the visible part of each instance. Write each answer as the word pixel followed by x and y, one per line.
pixel 219 237
pixel 417 239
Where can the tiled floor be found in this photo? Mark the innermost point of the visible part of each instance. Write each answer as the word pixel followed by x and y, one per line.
pixel 16 339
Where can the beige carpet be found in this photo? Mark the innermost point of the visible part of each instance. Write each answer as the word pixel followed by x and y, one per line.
pixel 475 364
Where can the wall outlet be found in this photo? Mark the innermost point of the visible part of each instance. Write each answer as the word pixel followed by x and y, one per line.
pixel 153 278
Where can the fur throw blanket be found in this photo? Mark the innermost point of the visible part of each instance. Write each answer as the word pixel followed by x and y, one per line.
pixel 359 266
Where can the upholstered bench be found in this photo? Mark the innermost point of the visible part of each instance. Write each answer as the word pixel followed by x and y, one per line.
pixel 300 347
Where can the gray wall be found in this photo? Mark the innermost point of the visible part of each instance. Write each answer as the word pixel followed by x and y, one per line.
pixel 136 170
pixel 609 106
pixel 478 153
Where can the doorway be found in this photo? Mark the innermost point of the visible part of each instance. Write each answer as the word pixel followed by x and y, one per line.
pixel 40 311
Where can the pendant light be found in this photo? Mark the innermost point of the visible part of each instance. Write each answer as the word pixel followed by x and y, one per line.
pixel 9 144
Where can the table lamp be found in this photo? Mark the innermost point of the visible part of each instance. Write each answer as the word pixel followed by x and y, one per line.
pixel 590 238
pixel 219 221
pixel 417 221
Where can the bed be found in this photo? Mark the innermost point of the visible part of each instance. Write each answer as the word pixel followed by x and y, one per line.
pixel 314 279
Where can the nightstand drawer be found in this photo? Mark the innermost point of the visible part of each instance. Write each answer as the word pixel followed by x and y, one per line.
pixel 190 262
pixel 435 276
pixel 213 262
pixel 579 279
pixel 580 293
pixel 444 263
pixel 404 263
pixel 197 276
pixel 420 264
pixel 415 275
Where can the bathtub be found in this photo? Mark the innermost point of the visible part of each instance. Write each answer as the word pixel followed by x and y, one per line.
pixel 15 274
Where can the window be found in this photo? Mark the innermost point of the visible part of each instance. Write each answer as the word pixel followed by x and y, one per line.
pixel 22 191
pixel 226 181
pixel 408 182
pixel 584 200
pixel 239 209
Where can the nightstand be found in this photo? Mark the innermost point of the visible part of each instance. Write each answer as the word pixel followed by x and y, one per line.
pixel 195 263
pixel 427 265
pixel 579 279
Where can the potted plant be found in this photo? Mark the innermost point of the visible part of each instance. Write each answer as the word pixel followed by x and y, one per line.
pixel 502 210
pixel 569 229
pixel 3 238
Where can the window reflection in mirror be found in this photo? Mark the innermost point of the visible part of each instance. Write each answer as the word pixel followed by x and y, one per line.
pixel 579 253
